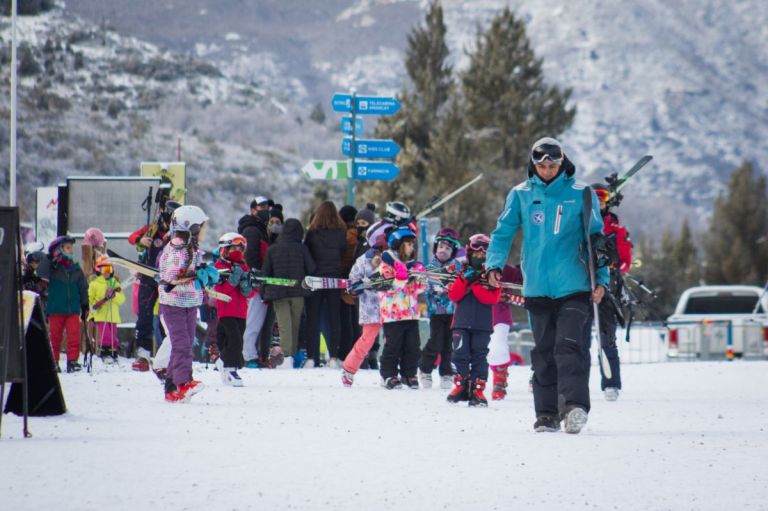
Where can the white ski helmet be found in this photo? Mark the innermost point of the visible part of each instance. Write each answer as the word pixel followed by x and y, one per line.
pixel 397 211
pixel 232 239
pixel 188 219
pixel 35 246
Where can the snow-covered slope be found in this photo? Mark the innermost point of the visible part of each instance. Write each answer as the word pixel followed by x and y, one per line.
pixel 686 81
pixel 682 436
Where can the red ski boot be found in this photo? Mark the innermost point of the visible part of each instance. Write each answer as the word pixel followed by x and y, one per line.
pixel 500 374
pixel 460 390
pixel 476 396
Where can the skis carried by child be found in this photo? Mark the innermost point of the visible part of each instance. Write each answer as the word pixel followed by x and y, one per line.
pixel 586 220
pixel 118 260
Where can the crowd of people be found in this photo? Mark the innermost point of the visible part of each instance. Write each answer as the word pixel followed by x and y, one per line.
pixel 251 294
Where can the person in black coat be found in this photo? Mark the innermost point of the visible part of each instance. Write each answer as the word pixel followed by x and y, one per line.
pixel 327 243
pixel 288 258
pixel 253 227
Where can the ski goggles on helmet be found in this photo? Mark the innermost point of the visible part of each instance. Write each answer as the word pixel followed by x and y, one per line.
pixel 478 243
pixel 448 234
pixel 602 194
pixel 544 152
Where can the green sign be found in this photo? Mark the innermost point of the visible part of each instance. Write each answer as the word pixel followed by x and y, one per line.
pixel 327 169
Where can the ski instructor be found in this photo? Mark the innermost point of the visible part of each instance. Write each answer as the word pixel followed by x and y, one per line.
pixel 557 290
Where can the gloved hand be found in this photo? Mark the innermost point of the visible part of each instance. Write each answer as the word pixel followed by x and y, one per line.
pixel 416 266
pixel 401 271
pixel 207 276
pixel 471 275
pixel 84 310
pixel 235 276
pixel 245 285
pixel 356 288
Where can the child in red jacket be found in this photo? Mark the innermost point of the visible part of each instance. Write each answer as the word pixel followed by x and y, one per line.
pixel 231 264
pixel 472 325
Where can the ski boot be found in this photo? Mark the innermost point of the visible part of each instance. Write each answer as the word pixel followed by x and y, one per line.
pixel 162 374
pixel 276 355
pixel 213 353
pixel 460 390
pixel 172 394
pixel 73 366
pixel 141 363
pixel 425 379
pixel 574 418
pixel 334 363
pixel 347 378
pixel 411 381
pixel 189 389
pixel 611 393
pixel 231 378
pixel 500 374
pixel 446 382
pixel 476 396
pixel 546 424
pixel 393 382
pixel 299 359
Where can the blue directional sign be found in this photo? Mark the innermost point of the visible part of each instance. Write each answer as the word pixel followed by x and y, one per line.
pixel 370 148
pixel 346 125
pixel 366 105
pixel 375 170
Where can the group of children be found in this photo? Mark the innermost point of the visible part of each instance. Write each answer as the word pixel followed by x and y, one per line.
pixel 386 279
pixel 460 306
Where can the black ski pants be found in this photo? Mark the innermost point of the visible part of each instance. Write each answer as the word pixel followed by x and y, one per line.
pixel 560 378
pixel 439 343
pixel 332 299
pixel 608 342
pixel 148 294
pixel 401 348
pixel 230 339
pixel 350 328
pixel 470 353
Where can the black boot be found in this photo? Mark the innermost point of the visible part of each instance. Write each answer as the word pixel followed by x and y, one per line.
pixel 460 390
pixel 74 366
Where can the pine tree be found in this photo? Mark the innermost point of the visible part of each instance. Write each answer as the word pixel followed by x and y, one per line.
pixel 508 104
pixel 430 82
pixel 736 248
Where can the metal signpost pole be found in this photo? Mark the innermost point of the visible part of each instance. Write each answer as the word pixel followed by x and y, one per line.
pixel 353 150
pixel 12 168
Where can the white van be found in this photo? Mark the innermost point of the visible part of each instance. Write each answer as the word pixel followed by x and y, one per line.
pixel 717 322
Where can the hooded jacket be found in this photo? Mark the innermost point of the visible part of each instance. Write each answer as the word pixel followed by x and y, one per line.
pixel 288 258
pixel 255 232
pixel 554 254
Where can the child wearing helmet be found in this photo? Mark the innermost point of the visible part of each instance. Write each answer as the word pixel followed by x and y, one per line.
pixel 182 280
pixel 365 267
pixel 399 309
pixel 30 280
pixel 231 327
pixel 472 325
pixel 67 303
pixel 105 297
pixel 440 310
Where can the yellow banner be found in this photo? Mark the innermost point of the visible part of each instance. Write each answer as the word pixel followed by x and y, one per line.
pixel 169 172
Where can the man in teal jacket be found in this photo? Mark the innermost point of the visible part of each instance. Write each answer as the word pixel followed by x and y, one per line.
pixel 556 283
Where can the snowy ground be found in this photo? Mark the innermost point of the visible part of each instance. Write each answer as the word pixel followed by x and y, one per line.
pixel 682 436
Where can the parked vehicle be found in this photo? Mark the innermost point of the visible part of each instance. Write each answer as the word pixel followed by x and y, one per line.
pixel 716 322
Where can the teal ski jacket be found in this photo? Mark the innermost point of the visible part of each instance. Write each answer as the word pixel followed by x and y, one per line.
pixel 554 253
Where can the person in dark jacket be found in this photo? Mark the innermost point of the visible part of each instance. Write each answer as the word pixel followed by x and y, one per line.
pixel 67 303
pixel 349 326
pixel 253 227
pixel 472 325
pixel 288 258
pixel 326 240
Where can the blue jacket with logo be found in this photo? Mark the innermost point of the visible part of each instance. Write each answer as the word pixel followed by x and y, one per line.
pixel 554 253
